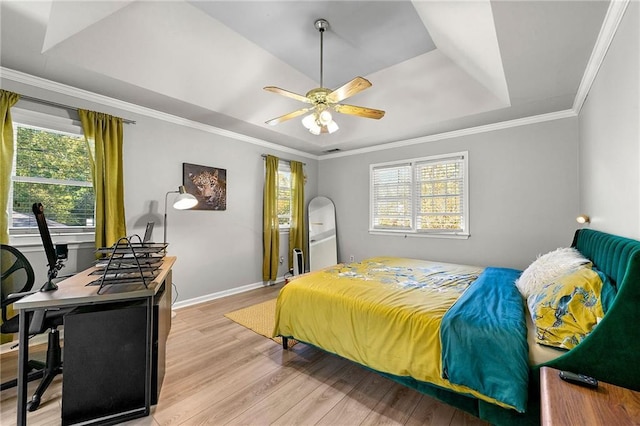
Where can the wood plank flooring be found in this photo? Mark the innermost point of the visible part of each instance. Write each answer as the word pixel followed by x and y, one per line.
pixel 220 373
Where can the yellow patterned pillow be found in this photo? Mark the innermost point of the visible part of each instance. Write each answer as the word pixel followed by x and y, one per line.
pixel 567 308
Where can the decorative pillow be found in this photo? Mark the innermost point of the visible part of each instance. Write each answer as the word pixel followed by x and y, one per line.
pixel 547 268
pixel 567 308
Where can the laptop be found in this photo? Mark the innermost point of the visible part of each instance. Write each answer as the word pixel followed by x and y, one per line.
pixel 148 232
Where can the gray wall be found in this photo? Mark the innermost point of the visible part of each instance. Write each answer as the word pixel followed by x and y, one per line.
pixel 523 197
pixel 610 136
pixel 218 251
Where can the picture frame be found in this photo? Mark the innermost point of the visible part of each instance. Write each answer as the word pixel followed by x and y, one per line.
pixel 207 184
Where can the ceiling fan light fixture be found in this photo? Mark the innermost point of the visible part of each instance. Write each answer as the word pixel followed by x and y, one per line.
pixel 309 121
pixel 332 126
pixel 325 117
pixel 315 129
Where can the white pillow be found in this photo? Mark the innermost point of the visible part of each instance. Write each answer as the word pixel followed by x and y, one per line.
pixel 549 267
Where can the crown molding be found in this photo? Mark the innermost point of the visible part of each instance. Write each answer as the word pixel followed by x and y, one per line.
pixel 63 89
pixel 569 113
pixel 608 30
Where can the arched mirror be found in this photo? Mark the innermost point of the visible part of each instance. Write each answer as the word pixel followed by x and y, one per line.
pixel 323 250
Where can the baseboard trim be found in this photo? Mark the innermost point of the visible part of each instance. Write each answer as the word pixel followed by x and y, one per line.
pixel 223 293
pixel 39 339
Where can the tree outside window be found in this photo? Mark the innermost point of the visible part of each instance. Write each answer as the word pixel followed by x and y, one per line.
pixel 51 168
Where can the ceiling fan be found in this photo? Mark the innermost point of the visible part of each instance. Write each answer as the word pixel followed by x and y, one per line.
pixel 324 100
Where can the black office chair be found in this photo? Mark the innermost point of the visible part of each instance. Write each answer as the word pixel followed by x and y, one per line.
pixel 17 281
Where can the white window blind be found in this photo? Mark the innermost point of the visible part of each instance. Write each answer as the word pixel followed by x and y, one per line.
pixel 421 196
pixel 392 198
pixel 440 195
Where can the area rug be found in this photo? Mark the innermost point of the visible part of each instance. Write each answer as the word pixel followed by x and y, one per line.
pixel 260 318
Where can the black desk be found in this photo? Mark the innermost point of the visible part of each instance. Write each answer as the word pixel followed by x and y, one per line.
pixel 73 292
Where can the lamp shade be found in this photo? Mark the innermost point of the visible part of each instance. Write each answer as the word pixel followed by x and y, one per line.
pixel 332 126
pixel 184 200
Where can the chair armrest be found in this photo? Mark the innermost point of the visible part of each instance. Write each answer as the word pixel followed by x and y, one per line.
pixel 17 296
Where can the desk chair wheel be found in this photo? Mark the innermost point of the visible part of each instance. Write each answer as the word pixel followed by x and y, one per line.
pixel 33 404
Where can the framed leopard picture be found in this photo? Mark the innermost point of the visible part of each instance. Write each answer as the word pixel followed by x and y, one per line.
pixel 207 184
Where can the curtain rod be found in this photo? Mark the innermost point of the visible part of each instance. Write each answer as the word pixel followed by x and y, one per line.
pixel 67 107
pixel 284 159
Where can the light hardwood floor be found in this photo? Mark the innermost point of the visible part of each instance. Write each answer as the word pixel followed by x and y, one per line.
pixel 219 372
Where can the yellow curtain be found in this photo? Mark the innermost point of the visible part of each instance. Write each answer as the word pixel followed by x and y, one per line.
pixel 296 231
pixel 103 134
pixel 270 230
pixel 7 148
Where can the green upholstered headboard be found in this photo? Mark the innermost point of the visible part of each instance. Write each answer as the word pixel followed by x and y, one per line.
pixel 609 253
pixel 611 353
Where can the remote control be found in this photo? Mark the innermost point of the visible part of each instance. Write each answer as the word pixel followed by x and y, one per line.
pixel 579 379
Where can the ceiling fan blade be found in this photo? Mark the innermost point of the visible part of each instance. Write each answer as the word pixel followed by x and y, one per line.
pixel 359 111
pixel 288 94
pixel 356 85
pixel 289 116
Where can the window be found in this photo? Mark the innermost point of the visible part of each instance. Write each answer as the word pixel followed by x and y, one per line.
pixel 51 166
pixel 284 195
pixel 423 196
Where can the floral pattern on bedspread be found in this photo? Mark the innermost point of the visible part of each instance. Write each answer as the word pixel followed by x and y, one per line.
pixel 437 277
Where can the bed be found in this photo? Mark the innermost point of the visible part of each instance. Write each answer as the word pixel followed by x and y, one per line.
pixel 475 337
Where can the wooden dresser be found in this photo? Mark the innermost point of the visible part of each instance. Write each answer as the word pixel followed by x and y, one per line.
pixel 563 403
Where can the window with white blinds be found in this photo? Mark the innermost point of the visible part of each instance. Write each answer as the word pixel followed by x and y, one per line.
pixel 421 196
pixel 284 195
pixel 392 197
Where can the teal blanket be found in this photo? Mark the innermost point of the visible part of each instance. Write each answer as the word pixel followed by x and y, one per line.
pixel 484 339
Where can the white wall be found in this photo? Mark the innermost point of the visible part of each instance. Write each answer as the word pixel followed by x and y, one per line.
pixel 218 251
pixel 523 197
pixel 610 136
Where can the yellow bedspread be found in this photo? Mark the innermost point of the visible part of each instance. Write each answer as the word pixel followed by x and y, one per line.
pixel 384 313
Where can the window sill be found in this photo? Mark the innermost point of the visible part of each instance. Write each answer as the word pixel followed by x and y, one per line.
pixel 404 234
pixel 34 240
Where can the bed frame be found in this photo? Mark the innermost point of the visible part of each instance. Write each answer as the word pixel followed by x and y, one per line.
pixel 609 353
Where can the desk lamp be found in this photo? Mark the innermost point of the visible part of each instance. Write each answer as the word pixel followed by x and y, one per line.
pixel 184 201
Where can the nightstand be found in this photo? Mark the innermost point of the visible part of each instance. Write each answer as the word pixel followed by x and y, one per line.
pixel 563 403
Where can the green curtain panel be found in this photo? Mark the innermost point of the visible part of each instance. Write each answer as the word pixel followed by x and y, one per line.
pixel 296 231
pixel 270 230
pixel 7 148
pixel 103 134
